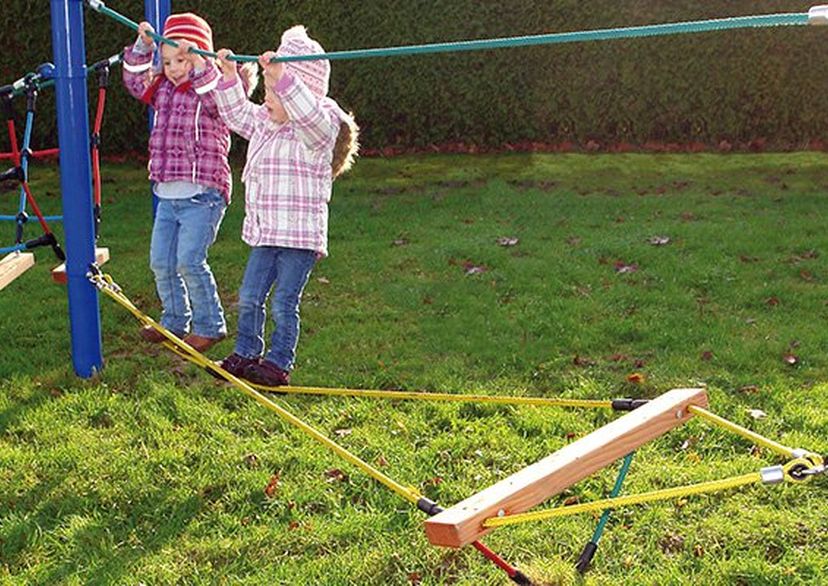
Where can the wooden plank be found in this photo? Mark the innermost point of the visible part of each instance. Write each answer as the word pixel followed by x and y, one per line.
pixel 59 272
pixel 462 523
pixel 13 265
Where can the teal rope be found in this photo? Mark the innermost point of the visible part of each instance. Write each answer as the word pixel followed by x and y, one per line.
pixel 767 20
pixel 616 490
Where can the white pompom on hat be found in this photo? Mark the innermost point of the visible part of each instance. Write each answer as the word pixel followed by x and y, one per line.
pixel 315 74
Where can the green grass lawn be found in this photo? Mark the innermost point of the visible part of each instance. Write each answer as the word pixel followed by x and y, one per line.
pixel 689 270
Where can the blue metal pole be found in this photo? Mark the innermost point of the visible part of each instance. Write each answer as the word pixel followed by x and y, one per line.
pixel 156 13
pixel 69 53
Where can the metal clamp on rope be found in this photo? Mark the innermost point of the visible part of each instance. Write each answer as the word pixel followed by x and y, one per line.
pixel 15 173
pixel 95 277
pixel 102 67
pixel 429 507
pixel 20 219
pixel 6 94
pixel 95 4
pixel 772 475
pixel 628 404
pixel 818 15
pixel 31 97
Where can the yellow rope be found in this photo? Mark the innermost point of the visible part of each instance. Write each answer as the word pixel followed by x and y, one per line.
pixel 106 285
pixel 803 463
pixel 622 501
pixel 200 360
pixel 448 397
pixel 742 431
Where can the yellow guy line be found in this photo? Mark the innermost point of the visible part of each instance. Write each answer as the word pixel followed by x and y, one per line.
pixel 408 493
pixel 622 501
pixel 742 431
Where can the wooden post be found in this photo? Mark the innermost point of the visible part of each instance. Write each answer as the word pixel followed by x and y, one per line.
pixel 59 272
pixel 462 523
pixel 13 265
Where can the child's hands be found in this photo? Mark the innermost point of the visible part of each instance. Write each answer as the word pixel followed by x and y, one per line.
pixel 143 33
pixel 272 71
pixel 196 60
pixel 228 68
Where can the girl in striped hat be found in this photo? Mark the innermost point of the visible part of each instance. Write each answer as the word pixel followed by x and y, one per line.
pixel 189 173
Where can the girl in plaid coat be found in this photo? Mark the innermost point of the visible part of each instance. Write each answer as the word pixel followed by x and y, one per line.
pixel 189 173
pixel 299 141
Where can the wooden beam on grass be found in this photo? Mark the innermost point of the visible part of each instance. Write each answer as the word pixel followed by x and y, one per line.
pixel 463 523
pixel 13 265
pixel 59 272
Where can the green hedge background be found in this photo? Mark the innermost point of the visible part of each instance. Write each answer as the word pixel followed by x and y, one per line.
pixel 752 89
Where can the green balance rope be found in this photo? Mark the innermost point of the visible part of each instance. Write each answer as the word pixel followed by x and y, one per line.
pixel 761 21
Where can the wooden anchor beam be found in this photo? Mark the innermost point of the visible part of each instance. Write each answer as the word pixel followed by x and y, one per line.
pixel 59 272
pixel 13 265
pixel 463 523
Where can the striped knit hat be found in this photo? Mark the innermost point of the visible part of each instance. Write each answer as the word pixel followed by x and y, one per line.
pixel 191 27
pixel 315 74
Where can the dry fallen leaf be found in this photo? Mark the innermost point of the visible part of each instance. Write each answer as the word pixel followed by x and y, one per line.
pixel 270 489
pixel 659 240
pixel 790 359
pixel 757 413
pixel 636 378
pixel 335 474
pixel 507 241
pixel 323 280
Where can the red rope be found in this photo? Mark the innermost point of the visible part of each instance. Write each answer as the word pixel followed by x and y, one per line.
pixel 96 160
pixel 35 154
pixel 494 558
pixel 15 152
pixel 36 209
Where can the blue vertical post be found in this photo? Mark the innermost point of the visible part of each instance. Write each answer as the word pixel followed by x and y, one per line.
pixel 156 13
pixel 69 53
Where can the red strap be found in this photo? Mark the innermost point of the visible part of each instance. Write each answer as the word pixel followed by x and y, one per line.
pixel 150 91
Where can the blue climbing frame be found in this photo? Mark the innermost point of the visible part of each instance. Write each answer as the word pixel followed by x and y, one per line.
pixel 69 54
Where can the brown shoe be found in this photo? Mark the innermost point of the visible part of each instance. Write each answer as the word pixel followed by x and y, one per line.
pixel 202 343
pixel 153 336
pixel 235 364
pixel 267 374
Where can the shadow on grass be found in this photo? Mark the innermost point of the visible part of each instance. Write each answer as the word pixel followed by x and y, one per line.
pixel 109 544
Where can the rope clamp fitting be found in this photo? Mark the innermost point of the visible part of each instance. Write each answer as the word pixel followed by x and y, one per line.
pixel 772 475
pixel 95 4
pixel 818 15
pixel 628 404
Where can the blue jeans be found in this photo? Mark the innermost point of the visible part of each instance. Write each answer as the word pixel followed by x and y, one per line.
pixel 183 231
pixel 289 269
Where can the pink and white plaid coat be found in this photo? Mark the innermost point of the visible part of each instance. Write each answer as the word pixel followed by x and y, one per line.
pixel 287 176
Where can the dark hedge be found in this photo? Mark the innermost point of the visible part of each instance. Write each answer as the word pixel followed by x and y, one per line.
pixel 761 87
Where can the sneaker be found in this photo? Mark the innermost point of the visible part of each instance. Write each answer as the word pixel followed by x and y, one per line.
pixel 235 364
pixel 153 336
pixel 202 343
pixel 267 374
